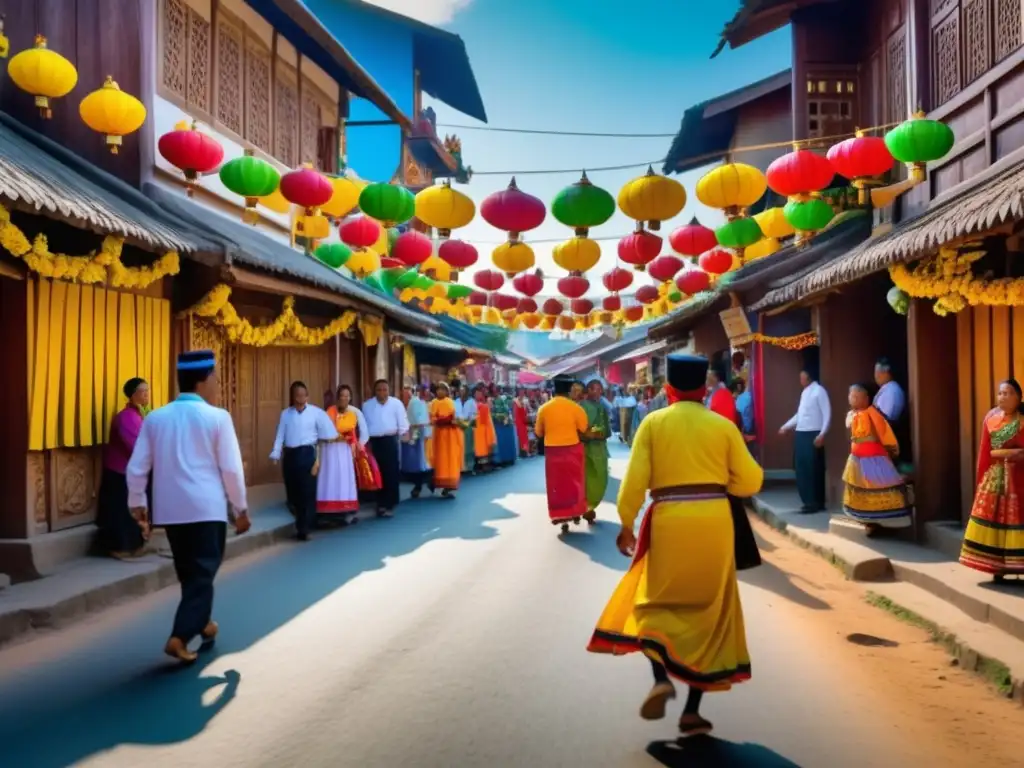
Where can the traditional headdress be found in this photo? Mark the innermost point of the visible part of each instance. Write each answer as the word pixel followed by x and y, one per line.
pixel 197 360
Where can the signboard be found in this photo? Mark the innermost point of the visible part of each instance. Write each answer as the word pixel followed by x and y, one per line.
pixel 737 327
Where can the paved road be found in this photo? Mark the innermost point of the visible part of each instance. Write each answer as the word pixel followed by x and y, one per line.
pixel 452 635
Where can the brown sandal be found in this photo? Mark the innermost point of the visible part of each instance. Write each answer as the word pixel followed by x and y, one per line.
pixel 177 649
pixel 697 726
pixel 653 707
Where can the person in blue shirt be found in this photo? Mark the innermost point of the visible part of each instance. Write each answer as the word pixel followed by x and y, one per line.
pixel 745 408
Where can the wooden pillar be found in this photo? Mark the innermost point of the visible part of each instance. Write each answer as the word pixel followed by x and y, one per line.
pixel 15 520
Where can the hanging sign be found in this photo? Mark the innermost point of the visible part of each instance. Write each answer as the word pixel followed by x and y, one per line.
pixel 737 327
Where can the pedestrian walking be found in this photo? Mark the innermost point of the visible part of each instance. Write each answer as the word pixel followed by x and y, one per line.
pixel 559 424
pixel 337 489
pixel 300 430
pixel 448 443
pixel 413 459
pixel 811 422
pixel 191 449
pixel 595 447
pixel 679 603
pixel 388 424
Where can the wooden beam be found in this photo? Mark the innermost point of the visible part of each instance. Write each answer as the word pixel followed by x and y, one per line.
pixel 13 270
pixel 256 281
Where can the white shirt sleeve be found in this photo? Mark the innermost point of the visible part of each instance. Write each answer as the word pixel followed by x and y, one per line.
pixel 792 422
pixel 139 467
pixel 826 409
pixel 325 430
pixel 362 430
pixel 229 463
pixel 275 454
pixel 403 418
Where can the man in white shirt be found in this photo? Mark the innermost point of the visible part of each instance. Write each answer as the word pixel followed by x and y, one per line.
pixel 465 414
pixel 191 449
pixel 300 431
pixel 387 422
pixel 891 402
pixel 811 424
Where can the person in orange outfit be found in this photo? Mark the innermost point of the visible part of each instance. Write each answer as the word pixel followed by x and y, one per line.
pixel 484 435
pixel 560 421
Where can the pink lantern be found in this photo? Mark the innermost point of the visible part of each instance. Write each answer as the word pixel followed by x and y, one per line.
pixel 360 232
pixel 412 248
pixel 488 280
pixel 647 294
pixel 513 211
pixel 693 281
pixel 573 286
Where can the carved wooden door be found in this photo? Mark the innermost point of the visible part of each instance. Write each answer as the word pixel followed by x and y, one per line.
pixel 244 410
pixel 271 399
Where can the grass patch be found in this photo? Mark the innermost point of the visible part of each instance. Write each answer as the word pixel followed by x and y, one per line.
pixel 993 671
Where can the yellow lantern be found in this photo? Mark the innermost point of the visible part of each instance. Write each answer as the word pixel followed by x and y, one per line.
pixel 652 198
pixel 276 202
pixel 529 321
pixel 345 197
pixel 363 262
pixel 112 112
pixel 436 268
pixel 731 187
pixel 513 258
pixel 577 255
pixel 43 73
pixel 773 224
pixel 444 208
pixel 509 315
pixel 547 322
pixel 766 246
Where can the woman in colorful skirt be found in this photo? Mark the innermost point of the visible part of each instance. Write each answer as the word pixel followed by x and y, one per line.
pixel 465 417
pixel 413 454
pixel 507 448
pixel 337 487
pixel 447 441
pixel 484 436
pixel 994 539
pixel 875 494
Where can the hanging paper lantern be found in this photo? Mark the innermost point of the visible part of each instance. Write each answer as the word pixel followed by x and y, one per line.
pixel 763 247
pixel 333 254
pixel 633 314
pixel 611 303
pixel 251 178
pixel 773 224
pixel 917 142
pixel 190 151
pixel 799 172
pixel 513 258
pixel 503 302
pixel 617 279
pixel 457 254
pixel 566 323
pixel 529 321
pixel 307 188
pixel 44 74
pixel 412 248
pixel 444 208
pixel 275 201
pixel 344 197
pixel 390 204
pixel 577 255
pixel 363 262
pixel 898 300
pixel 731 187
pixel 389 277
pixel 861 160
pixel 372 281
pixel 738 233
pixel 436 268
pixel 488 280
pixel 527 305
pixel 693 281
pixel 360 232
pixel 717 261
pixel 477 299
pixel 652 199
pixel 529 284
pixel 573 287
pixel 809 216
pixel 456 291
pixel 639 249
pixel 583 206
pixel 582 306
pixel 647 294
pixel 386 262
pixel 692 240
pixel 664 268
pixel 552 307
pixel 513 211
pixel 112 112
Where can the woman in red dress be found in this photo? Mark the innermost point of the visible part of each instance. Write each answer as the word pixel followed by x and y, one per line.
pixel 519 413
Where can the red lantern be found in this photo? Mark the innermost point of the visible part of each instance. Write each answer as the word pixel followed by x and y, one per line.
pixel 488 280
pixel 640 249
pixel 566 323
pixel 513 211
pixel 693 281
pixel 388 262
pixel 617 279
pixel 861 157
pixel 529 284
pixel 527 306
pixel 552 307
pixel 611 303
pixel 530 321
pixel 477 299
pixel 191 152
pixel 799 172
pixel 692 240
pixel 717 261
pixel 573 286
pixel 504 302
pixel 633 314
pixel 360 232
pixel 664 268
pixel 457 254
pixel 582 307
pixel 647 294
pixel 412 248
pixel 307 188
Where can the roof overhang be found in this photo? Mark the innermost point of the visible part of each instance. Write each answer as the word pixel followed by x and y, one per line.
pixel 757 18
pixel 430 154
pixel 645 351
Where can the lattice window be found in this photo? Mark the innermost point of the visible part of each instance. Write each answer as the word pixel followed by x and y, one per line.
pixel 327 149
pixel 286 120
pixel 257 97
pixel 198 61
pixel 185 43
pixel 946 59
pixel 310 125
pixel 941 6
pixel 230 66
pixel 1007 28
pixel 174 46
pixel 976 39
pixel 830 105
pixel 896 77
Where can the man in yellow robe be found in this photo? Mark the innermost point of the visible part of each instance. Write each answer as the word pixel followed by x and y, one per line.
pixel 679 603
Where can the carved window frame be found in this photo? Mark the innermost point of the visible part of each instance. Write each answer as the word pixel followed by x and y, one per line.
pixel 288 76
pixel 192 58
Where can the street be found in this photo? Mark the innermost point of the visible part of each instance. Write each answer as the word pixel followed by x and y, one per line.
pixel 454 635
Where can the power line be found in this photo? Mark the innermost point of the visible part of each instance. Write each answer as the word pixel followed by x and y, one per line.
pixel 540 132
pixel 548 171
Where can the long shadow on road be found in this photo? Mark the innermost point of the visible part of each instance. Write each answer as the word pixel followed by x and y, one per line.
pixel 709 752
pixel 115 691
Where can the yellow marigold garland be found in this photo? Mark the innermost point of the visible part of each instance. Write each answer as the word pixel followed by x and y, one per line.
pixel 217 307
pixel 791 343
pixel 94 267
pixel 948 277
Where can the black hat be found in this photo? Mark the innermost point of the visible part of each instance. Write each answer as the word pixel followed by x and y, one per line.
pixel 197 360
pixel 687 372
pixel 563 384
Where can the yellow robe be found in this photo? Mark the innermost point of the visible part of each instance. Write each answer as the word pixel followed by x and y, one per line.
pixel 679 603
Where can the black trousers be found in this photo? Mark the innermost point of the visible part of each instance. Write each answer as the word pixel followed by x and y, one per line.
pixel 693 698
pixel 385 451
pixel 300 485
pixel 198 550
pixel 809 463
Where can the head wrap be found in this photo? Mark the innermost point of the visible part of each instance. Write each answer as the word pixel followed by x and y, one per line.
pixel 131 386
pixel 197 360
pixel 687 377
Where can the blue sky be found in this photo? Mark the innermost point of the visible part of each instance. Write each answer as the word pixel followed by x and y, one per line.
pixel 587 65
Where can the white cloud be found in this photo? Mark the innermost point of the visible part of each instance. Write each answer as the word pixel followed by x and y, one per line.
pixel 427 11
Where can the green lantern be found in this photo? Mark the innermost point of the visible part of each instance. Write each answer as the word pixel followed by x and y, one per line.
pixel 406 279
pixel 456 291
pixel 808 216
pixel 898 300
pixel 333 254
pixel 423 283
pixel 373 281
pixel 675 297
pixel 389 278
pixel 919 141
pixel 252 178
pixel 739 233
pixel 583 206
pixel 389 204
pixel 393 234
